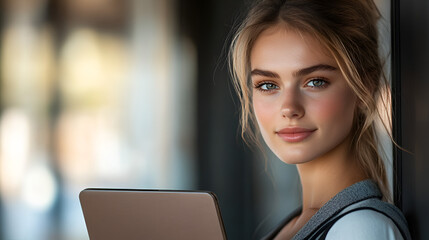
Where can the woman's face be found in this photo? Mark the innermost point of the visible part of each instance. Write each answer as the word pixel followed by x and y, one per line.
pixel 303 105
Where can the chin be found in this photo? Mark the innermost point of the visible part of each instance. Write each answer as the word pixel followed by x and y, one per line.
pixel 294 159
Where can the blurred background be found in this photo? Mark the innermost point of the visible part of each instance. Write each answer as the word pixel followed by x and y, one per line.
pixel 127 94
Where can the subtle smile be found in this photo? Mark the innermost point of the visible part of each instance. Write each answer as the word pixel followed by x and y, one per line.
pixel 295 134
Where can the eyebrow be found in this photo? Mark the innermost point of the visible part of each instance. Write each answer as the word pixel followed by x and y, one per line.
pixel 299 73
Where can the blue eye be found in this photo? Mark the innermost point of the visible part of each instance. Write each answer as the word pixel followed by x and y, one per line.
pixel 268 86
pixel 316 83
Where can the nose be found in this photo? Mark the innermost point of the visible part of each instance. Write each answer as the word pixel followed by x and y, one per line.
pixel 292 106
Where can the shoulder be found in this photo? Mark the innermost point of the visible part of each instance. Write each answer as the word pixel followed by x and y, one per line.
pixel 364 224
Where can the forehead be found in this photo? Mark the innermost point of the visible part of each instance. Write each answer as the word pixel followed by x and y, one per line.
pixel 280 44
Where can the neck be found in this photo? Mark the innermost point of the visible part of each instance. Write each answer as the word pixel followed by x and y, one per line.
pixel 326 176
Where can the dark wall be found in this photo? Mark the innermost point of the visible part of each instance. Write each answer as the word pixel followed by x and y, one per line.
pixel 411 77
pixel 224 166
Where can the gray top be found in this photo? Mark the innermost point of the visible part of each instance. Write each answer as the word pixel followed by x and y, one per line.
pixel 318 226
pixel 368 224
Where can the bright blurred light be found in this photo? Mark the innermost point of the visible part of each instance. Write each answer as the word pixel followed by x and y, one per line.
pixel 39 188
pixel 26 63
pixel 75 134
pixel 90 147
pixel 92 69
pixel 107 152
pixel 14 150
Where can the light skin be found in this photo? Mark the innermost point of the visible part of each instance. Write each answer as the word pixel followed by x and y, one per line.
pixel 304 109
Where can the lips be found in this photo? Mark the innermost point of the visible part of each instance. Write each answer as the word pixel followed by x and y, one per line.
pixel 295 134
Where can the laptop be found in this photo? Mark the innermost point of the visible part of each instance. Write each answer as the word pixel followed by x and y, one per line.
pixel 151 214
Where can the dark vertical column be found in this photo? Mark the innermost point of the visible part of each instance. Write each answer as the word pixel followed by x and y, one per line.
pixel 412 131
pixel 396 103
pixel 222 163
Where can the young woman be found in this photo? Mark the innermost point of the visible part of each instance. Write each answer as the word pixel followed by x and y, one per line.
pixel 309 78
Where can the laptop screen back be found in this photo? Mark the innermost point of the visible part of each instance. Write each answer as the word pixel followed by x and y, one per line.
pixel 151 214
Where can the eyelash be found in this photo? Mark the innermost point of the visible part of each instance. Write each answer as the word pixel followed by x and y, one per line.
pixel 259 85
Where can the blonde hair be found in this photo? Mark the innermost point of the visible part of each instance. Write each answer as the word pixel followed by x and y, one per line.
pixel 348 29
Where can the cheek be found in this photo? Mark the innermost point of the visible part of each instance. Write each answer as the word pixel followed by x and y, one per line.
pixel 336 111
pixel 265 111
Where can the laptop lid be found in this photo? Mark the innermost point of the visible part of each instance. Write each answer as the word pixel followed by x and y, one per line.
pixel 151 214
